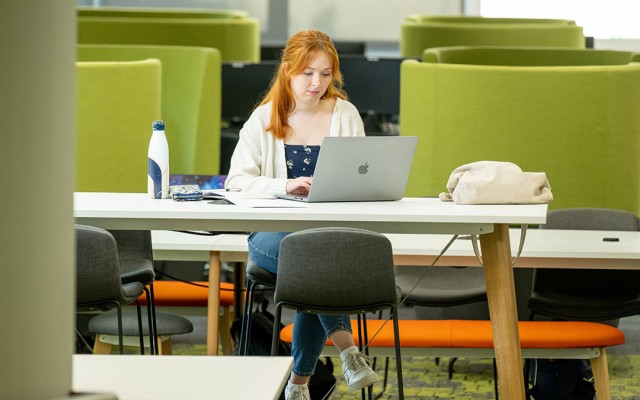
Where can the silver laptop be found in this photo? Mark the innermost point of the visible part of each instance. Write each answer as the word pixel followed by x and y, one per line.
pixel 370 168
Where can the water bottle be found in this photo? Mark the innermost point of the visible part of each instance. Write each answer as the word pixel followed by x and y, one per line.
pixel 158 175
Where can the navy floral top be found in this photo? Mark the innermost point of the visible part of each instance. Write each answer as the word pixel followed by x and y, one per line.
pixel 301 159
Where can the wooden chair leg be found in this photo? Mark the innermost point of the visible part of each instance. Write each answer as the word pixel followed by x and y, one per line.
pixel 100 347
pixel 164 347
pixel 224 327
pixel 600 368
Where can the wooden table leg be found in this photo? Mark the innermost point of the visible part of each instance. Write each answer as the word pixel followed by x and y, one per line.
pixel 213 305
pixel 498 275
pixel 600 368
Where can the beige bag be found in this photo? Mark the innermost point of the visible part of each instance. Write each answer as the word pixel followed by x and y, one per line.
pixel 496 182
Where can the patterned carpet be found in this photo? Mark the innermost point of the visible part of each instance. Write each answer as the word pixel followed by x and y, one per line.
pixel 472 378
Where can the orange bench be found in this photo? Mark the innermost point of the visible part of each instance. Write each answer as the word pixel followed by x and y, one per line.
pixel 458 338
pixel 181 294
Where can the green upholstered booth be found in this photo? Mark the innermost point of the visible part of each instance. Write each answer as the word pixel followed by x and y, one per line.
pixel 574 114
pixel 191 100
pixel 420 32
pixel 116 102
pixel 234 33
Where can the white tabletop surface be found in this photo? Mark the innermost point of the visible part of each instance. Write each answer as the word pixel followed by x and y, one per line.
pixel 138 377
pixel 410 215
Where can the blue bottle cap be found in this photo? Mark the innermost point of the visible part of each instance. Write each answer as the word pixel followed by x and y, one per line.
pixel 158 125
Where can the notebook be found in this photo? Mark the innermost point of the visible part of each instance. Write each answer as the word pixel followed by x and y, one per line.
pixel 369 168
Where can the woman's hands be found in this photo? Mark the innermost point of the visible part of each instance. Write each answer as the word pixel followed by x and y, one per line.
pixel 299 185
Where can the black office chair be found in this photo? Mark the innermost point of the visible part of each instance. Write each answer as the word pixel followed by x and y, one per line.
pixel 99 285
pixel 587 295
pixel 337 271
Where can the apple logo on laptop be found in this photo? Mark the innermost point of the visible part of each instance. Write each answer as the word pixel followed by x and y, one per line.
pixel 363 169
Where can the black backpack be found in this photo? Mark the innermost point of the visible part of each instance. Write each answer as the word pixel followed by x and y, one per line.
pixel 321 383
pixel 560 379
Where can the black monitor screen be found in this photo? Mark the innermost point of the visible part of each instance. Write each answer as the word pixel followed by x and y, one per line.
pixel 373 84
pixel 273 52
pixel 243 86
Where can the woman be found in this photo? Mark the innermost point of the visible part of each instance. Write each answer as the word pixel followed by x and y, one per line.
pixel 276 153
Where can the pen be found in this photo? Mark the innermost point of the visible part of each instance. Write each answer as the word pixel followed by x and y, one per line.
pixel 233 189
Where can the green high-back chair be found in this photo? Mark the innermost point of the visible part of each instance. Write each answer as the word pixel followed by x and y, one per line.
pixel 233 33
pixel 420 32
pixel 191 100
pixel 573 114
pixel 116 102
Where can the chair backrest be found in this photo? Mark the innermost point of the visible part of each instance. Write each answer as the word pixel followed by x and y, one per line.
pixel 116 103
pixel 594 295
pixel 420 32
pixel 98 270
pixel 469 109
pixel 234 33
pixel 191 100
pixel 595 219
pixel 341 270
pixel 135 253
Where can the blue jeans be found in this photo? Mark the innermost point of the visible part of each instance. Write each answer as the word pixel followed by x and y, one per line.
pixel 310 331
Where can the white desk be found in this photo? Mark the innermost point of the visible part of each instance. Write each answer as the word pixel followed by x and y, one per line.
pixel 136 377
pixel 543 248
pixel 137 211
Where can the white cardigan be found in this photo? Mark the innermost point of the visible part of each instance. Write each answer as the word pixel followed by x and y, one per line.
pixel 258 162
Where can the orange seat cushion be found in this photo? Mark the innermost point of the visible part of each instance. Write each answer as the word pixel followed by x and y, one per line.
pixel 181 294
pixel 478 334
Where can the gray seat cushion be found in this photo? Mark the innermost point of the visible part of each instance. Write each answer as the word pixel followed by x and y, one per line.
pixel 168 324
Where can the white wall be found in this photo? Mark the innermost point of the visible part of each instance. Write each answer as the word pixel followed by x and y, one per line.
pixel 37 108
pixel 362 20
pixel 343 20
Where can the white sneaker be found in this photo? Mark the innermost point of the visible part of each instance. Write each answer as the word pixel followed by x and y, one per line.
pixel 296 392
pixel 357 371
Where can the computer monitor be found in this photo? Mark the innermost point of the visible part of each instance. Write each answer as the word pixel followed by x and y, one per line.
pixel 373 84
pixel 273 52
pixel 243 85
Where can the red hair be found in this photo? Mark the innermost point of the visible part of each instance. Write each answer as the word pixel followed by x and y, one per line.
pixel 301 48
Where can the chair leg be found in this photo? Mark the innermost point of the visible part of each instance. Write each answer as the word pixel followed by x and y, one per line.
pixel 275 337
pixel 386 369
pixel 140 334
pixel 360 347
pixel 359 318
pixel 396 333
pixel 385 378
pixel 100 347
pixel 164 347
pixel 151 316
pixel 495 379
pixel 600 368
pixel 365 333
pixel 224 328
pixel 452 361
pixel 120 336
pixel 246 319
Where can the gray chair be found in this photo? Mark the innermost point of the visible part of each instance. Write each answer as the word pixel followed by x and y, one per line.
pixel 256 279
pixel 587 295
pixel 99 285
pixel 136 265
pixel 337 271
